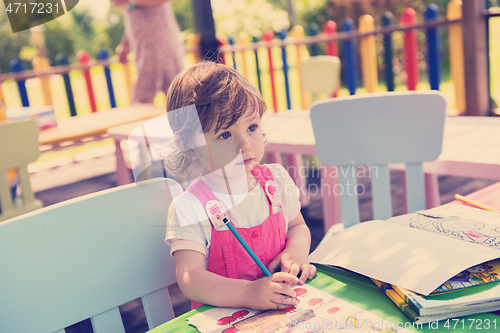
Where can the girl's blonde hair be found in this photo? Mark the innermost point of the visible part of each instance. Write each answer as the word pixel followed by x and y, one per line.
pixel 221 96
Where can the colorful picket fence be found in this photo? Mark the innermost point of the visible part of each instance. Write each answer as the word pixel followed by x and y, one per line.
pixel 275 67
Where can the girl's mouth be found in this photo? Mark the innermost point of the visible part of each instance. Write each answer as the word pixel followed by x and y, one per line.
pixel 247 161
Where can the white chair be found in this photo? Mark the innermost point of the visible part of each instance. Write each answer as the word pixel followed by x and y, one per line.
pixel 19 146
pixel 376 130
pixel 84 257
pixel 321 76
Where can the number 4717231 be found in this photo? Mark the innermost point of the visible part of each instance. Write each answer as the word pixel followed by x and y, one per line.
pixel 32 7
pixel 471 323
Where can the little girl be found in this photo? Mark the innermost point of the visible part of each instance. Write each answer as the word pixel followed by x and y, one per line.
pixel 261 201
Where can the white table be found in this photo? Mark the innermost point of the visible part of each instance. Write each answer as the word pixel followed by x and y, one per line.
pixel 471 145
pixel 96 124
pixel 471 148
pixel 154 132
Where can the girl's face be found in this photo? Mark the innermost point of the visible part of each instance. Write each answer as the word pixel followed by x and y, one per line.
pixel 240 145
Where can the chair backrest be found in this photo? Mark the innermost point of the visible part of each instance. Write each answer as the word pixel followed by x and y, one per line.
pixel 378 129
pixel 18 147
pixel 320 76
pixel 84 257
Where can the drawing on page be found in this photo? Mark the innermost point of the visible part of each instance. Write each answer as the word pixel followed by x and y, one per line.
pixel 473 276
pixel 476 231
pixel 316 312
pixel 228 319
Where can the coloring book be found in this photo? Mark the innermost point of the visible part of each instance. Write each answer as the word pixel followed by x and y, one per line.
pixel 424 309
pixel 480 274
pixel 316 311
pixel 456 221
pixel 482 298
pixel 418 251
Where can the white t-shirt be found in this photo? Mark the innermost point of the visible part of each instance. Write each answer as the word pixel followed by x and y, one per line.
pixel 252 210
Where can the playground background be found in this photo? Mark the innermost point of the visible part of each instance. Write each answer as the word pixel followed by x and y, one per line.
pixel 105 32
pixel 53 165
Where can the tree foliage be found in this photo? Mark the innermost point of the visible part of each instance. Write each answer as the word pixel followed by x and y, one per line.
pixel 320 11
pixel 184 14
pixel 110 32
pixel 84 29
pixel 80 30
pixel 250 16
pixel 58 39
pixel 10 44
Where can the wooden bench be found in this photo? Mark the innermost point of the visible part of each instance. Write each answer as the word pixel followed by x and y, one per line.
pixel 84 257
pixel 94 125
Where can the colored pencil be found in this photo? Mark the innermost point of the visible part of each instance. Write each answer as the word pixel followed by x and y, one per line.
pixel 247 248
pixel 475 203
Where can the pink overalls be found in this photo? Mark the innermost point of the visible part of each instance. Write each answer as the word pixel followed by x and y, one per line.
pixel 227 257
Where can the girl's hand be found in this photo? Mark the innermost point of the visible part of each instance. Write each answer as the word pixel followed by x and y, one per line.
pixel 272 292
pixel 122 51
pixel 293 263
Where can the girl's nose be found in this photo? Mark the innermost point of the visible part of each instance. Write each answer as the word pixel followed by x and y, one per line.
pixel 244 143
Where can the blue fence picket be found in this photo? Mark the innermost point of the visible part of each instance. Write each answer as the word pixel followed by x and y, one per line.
pixel 230 39
pixel 62 60
pixel 389 74
pixel 350 57
pixel 257 69
pixel 16 66
pixel 312 30
pixel 433 47
pixel 103 54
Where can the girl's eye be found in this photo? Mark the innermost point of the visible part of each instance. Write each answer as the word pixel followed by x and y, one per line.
pixel 225 135
pixel 252 128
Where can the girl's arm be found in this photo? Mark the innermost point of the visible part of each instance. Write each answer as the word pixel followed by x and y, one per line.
pixel 205 287
pixel 294 258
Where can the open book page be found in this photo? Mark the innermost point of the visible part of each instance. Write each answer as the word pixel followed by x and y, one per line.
pixel 458 221
pixel 316 311
pixel 411 258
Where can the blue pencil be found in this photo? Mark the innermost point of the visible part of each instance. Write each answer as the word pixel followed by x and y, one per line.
pixel 247 248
